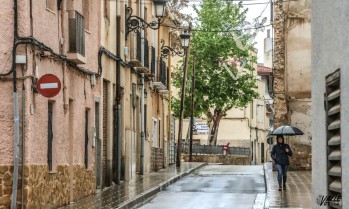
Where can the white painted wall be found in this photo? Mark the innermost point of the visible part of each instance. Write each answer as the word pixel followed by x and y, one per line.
pixel 329 52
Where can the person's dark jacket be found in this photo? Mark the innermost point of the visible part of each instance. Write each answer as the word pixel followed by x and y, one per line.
pixel 279 155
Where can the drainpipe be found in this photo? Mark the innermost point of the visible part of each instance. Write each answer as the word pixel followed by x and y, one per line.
pixel 249 126
pixel 23 140
pixel 118 101
pixel 16 117
pixel 141 172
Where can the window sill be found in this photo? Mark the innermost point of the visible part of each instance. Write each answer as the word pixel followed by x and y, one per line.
pixel 51 11
pixel 76 58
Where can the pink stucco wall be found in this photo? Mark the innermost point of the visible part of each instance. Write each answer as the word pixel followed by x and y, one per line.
pixel 77 85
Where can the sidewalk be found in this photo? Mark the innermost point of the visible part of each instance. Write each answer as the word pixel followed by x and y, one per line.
pixel 298 192
pixel 137 190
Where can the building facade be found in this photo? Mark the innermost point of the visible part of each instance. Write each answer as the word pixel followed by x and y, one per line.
pixel 292 75
pixel 52 135
pixel 330 102
pixel 89 136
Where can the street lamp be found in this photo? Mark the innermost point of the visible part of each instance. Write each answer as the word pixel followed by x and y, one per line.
pixel 166 50
pixel 185 44
pixel 135 23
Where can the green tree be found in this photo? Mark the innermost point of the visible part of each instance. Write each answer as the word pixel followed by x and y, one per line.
pixel 219 54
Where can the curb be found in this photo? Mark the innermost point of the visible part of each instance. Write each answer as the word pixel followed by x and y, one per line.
pixel 266 168
pixel 141 198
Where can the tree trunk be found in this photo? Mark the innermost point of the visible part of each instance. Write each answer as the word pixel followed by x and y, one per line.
pixel 214 128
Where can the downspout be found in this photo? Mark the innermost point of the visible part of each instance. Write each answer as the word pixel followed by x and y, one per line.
pixel 23 140
pixel 249 126
pixel 141 171
pixel 15 107
pixel 169 87
pixel 163 133
pixel 158 97
pixel 118 100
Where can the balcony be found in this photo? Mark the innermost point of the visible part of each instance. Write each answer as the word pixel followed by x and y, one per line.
pixel 161 85
pixel 76 52
pixel 136 56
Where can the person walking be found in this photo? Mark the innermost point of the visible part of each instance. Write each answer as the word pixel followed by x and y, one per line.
pixel 280 154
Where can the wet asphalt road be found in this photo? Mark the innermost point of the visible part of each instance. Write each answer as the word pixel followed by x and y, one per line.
pixel 213 187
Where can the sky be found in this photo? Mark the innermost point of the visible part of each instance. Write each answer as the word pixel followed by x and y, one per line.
pixel 255 8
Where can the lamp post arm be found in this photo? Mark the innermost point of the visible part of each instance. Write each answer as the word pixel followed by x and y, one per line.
pixel 167 50
pixel 135 23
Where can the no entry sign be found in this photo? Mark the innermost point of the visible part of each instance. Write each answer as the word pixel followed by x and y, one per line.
pixel 48 85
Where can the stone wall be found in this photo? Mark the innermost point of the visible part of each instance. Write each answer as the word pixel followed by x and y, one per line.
pixel 156 159
pixel 84 182
pixel 280 100
pixel 225 159
pixel 43 189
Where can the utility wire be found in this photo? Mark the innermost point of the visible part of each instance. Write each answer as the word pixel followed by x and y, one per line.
pixel 220 31
pixel 227 31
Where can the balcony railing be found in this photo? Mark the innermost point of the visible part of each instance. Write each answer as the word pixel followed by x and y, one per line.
pixel 146 53
pixel 163 73
pixel 76 33
pixel 139 47
pixel 153 60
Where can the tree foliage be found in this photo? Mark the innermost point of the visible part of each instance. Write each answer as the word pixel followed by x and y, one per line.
pixel 218 55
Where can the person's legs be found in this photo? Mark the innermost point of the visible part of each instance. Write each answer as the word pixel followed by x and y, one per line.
pixel 284 174
pixel 279 169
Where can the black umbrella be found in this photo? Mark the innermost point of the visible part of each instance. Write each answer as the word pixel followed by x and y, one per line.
pixel 287 130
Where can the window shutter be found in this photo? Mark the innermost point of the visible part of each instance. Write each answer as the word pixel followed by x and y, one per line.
pixel 333 124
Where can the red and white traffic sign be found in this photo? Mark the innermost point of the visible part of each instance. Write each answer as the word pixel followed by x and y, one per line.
pixel 48 85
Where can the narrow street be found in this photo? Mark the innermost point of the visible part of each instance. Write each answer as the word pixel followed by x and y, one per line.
pixel 213 187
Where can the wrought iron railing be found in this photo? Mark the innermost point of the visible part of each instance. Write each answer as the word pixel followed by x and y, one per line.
pixel 216 150
pixel 163 72
pixel 153 60
pixel 146 53
pixel 139 47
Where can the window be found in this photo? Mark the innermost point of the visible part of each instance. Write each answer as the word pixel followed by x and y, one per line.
pixel 86 139
pixel 155 133
pixel 49 136
pixel 76 33
pixel 333 125
pixel 146 20
pixel 163 72
pixel 51 5
pixel 86 8
pixel 153 60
